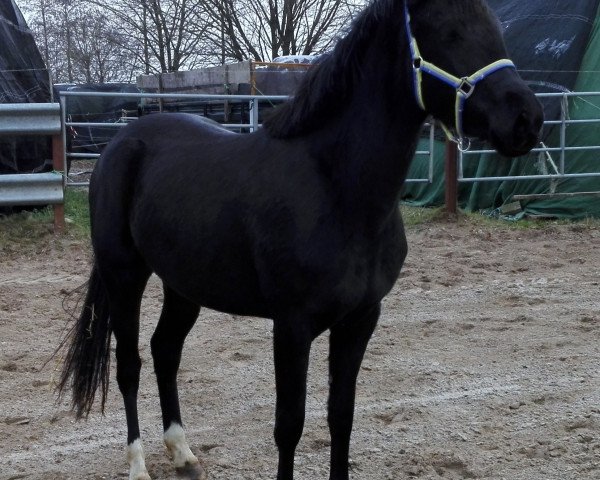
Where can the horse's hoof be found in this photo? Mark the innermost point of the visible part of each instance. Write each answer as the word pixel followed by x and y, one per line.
pixel 192 471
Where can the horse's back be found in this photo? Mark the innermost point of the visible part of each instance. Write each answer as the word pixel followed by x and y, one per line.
pixel 134 144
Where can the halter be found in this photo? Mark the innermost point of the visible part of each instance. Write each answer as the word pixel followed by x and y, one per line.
pixel 464 86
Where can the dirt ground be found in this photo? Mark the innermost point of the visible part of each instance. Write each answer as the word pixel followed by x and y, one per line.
pixel 484 366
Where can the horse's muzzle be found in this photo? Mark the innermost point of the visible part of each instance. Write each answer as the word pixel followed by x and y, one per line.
pixel 515 127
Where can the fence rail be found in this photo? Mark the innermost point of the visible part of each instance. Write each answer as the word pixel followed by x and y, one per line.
pixel 254 103
pixel 30 119
pixel 31 189
pixel 562 149
pixel 38 188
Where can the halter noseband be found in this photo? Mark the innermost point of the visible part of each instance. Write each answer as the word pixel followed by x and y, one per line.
pixel 464 86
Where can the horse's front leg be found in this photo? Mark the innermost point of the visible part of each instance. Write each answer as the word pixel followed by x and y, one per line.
pixel 292 340
pixel 347 344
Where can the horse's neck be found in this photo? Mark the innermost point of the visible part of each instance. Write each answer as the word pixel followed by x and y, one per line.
pixel 369 149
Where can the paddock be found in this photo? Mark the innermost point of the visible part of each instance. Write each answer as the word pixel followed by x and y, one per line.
pixel 484 365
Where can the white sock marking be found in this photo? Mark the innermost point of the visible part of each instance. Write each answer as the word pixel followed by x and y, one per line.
pixel 178 447
pixel 137 463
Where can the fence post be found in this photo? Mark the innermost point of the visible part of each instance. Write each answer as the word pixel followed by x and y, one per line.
pixel 451 170
pixel 254 114
pixel 58 164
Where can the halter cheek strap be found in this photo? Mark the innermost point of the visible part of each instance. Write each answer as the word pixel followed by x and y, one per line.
pixel 464 86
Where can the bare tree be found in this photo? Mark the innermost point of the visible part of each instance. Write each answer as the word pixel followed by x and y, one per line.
pixel 99 41
pixel 164 36
pixel 265 29
pixel 79 44
pixel 96 48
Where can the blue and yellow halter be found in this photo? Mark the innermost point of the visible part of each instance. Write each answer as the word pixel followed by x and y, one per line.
pixel 464 86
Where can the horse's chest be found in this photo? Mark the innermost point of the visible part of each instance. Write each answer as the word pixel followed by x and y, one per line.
pixel 373 275
pixel 337 277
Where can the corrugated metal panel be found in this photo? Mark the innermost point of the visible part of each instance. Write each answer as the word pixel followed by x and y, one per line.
pixel 29 119
pixel 31 189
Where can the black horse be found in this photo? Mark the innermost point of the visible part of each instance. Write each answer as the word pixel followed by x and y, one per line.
pixel 297 222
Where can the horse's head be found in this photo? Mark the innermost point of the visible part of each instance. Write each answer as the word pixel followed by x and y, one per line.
pixel 462 75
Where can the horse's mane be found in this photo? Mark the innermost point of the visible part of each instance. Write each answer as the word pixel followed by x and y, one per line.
pixel 330 81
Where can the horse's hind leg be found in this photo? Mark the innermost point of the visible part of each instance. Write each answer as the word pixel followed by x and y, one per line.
pixel 125 281
pixel 347 342
pixel 176 320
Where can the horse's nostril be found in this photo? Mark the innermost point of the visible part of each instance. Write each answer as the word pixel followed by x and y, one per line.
pixel 527 124
pixel 526 130
pixel 523 120
pixel 529 115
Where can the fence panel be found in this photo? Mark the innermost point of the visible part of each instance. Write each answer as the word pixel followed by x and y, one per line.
pixel 254 104
pixel 30 119
pixel 35 188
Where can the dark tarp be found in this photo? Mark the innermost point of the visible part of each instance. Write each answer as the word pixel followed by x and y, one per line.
pixel 547 41
pixel 23 79
pixel 556 47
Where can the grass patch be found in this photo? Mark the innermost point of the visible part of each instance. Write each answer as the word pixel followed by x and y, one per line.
pixel 413 216
pixel 26 228
pixel 77 211
pixel 30 230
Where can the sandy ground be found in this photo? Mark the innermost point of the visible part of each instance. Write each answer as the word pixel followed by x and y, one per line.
pixel 484 366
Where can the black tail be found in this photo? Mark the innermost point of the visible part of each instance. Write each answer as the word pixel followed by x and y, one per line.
pixel 87 359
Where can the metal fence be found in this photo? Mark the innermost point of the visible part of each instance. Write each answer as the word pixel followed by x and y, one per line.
pixel 255 102
pixel 55 120
pixel 553 156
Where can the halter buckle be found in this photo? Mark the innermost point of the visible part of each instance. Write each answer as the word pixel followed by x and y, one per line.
pixel 466 88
